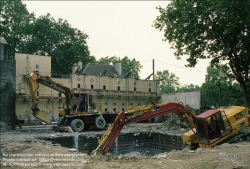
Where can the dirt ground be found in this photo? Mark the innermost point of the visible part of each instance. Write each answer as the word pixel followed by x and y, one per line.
pixel 22 149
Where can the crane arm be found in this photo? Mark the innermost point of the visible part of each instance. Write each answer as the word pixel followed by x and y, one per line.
pixel 142 113
pixel 36 78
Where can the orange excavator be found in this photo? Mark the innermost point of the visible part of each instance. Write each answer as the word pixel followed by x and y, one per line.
pixel 227 123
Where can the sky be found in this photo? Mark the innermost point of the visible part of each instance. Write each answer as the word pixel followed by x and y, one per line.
pixel 123 28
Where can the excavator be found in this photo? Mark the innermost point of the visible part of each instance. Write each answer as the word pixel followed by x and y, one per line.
pixel 227 122
pixel 78 121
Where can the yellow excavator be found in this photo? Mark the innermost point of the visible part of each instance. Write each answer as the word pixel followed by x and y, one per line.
pixel 225 124
pixel 78 121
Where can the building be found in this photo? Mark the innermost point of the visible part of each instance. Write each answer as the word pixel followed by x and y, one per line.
pixel 105 87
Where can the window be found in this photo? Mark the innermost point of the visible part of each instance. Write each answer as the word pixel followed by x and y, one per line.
pixel 118 88
pixel 123 109
pixel 114 104
pixel 105 109
pixel 78 85
pixel 37 93
pixel 149 90
pixel 92 86
pixel 104 87
pixel 131 104
pixel 114 109
pixel 123 104
pixel 134 89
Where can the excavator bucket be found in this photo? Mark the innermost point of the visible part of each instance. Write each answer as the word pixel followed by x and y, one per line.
pixel 41 115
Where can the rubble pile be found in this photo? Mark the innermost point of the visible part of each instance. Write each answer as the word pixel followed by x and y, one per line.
pixel 173 123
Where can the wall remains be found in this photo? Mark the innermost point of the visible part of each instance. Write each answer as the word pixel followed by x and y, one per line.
pixel 7 94
pixel 192 99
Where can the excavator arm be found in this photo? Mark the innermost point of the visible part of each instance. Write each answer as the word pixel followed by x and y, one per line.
pixel 142 113
pixel 34 79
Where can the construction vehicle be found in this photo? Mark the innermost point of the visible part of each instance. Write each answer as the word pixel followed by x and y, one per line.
pixel 228 122
pixel 78 121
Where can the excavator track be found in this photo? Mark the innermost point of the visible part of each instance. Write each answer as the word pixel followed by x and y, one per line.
pixel 241 136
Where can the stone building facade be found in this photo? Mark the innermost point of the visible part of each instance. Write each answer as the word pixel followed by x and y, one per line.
pixel 105 87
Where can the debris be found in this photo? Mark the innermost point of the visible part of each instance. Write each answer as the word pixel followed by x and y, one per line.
pixel 73 150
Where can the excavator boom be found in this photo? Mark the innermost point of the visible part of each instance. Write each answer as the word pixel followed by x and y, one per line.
pixel 34 79
pixel 141 114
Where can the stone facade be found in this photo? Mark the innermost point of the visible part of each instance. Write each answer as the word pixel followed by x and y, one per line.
pixel 106 92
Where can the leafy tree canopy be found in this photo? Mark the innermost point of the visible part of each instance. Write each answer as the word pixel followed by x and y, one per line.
pixel 65 45
pixel 168 82
pixel 14 23
pixel 219 90
pixel 131 66
pixel 188 88
pixel 216 30
pixel 43 36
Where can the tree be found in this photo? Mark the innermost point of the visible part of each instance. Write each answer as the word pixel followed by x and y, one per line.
pixel 108 60
pixel 15 23
pixel 216 30
pixel 188 88
pixel 43 36
pixel 219 90
pixel 168 82
pixel 128 66
pixel 65 45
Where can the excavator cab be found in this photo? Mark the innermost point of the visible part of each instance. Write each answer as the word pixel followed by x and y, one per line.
pixel 211 127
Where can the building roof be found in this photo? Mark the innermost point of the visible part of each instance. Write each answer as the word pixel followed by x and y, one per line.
pixel 96 69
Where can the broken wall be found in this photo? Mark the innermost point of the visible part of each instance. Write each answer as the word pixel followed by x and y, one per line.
pixel 193 99
pixel 7 94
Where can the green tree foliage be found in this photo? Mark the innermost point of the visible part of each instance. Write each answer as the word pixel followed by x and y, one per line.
pixel 188 88
pixel 168 82
pixel 131 66
pixel 65 45
pixel 218 30
pixel 15 23
pixel 219 90
pixel 43 36
pixel 108 60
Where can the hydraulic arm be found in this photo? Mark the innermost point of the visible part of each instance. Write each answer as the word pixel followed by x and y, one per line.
pixel 34 79
pixel 140 114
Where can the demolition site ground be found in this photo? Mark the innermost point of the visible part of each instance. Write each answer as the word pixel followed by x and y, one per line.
pixel 139 145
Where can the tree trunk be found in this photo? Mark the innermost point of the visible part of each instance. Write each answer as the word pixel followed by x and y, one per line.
pixel 246 95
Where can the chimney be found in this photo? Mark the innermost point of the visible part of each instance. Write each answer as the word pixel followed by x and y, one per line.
pixel 118 67
pixel 80 65
pixel 74 68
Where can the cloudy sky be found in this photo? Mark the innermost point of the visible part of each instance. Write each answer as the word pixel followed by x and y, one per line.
pixel 123 28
